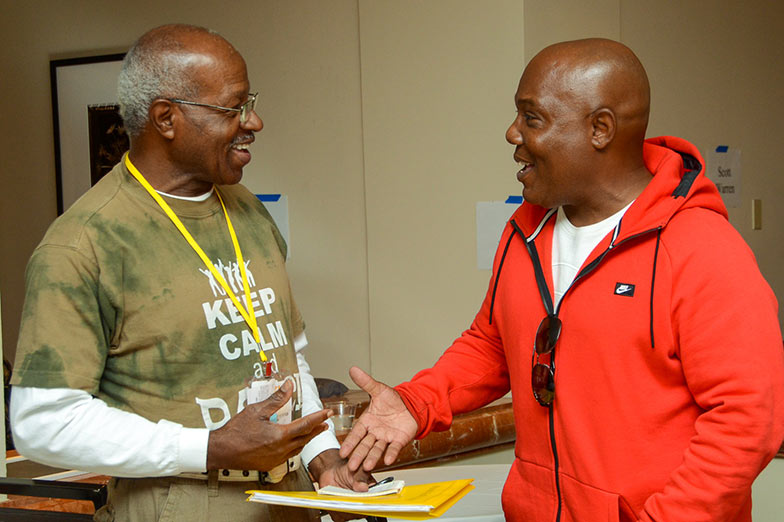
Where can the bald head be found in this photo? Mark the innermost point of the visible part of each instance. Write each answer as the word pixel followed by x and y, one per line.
pixel 162 63
pixel 594 74
pixel 582 112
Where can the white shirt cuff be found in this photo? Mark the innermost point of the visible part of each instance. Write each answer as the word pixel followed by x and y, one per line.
pixel 193 450
pixel 321 442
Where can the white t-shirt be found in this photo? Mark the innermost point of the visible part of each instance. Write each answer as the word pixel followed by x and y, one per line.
pixel 572 245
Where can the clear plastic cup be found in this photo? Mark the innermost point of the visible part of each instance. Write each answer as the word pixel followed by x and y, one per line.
pixel 343 415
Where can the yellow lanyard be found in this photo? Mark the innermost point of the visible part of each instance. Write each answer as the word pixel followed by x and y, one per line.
pixel 248 314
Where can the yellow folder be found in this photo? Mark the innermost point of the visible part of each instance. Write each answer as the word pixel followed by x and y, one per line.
pixel 418 502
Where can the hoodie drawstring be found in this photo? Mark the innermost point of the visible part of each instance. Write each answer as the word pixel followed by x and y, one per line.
pixel 653 280
pixel 498 274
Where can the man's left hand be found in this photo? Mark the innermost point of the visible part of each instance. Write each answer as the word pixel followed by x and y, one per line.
pixel 328 469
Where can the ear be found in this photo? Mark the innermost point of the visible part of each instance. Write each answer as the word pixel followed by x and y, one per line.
pixel 162 117
pixel 603 125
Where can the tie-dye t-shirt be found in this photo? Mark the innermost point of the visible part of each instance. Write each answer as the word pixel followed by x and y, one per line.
pixel 118 304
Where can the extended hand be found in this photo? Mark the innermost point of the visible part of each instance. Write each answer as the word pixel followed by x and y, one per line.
pixel 385 426
pixel 250 441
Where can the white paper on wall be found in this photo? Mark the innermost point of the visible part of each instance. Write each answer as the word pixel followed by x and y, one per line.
pixel 491 217
pixel 724 169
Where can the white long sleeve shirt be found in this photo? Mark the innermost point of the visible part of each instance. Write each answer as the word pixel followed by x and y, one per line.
pixel 71 429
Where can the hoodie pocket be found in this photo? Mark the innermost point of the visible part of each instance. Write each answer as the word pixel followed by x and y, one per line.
pixel 584 503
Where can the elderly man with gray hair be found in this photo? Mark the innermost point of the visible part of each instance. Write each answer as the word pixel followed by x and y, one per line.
pixel 158 316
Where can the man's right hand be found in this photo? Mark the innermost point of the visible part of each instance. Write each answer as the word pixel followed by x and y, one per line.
pixel 251 441
pixel 385 426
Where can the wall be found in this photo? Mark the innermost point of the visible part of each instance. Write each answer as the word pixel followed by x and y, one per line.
pixel 767 504
pixel 438 81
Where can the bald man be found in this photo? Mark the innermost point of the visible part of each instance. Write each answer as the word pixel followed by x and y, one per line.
pixel 626 316
pixel 152 301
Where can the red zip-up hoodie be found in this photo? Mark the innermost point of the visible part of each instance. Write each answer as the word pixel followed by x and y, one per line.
pixel 669 394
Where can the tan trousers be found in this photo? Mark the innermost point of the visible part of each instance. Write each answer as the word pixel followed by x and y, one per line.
pixel 173 499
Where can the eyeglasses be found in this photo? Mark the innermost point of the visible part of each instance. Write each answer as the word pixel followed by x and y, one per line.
pixel 244 109
pixel 543 375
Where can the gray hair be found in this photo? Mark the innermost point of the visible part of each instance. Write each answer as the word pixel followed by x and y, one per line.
pixel 156 66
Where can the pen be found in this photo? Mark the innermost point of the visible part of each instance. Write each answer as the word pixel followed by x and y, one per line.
pixel 384 481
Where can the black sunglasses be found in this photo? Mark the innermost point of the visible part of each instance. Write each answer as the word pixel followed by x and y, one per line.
pixel 543 375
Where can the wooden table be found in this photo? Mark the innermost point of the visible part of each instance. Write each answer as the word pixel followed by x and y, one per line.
pixel 19 467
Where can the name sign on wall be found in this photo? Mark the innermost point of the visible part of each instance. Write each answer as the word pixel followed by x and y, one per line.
pixel 723 169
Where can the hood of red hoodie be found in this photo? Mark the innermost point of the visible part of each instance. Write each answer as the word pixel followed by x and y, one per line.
pixel 678 182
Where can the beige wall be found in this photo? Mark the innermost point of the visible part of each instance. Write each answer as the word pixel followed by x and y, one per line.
pixel 546 23
pixel 438 80
pixel 767 501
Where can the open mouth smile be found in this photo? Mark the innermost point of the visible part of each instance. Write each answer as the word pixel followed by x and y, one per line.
pixel 525 168
pixel 242 142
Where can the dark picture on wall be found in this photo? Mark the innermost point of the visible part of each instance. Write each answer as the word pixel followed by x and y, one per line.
pixel 108 140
